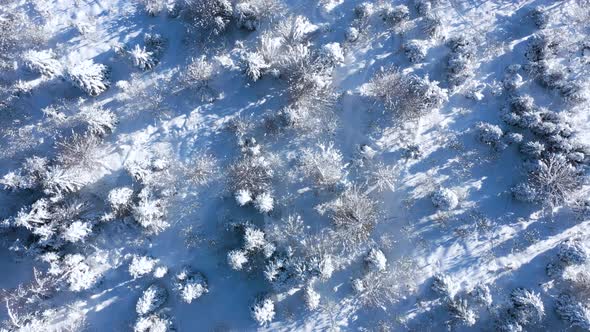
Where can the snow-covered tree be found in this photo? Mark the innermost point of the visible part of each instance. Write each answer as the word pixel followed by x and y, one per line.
pixel 490 134
pixel 323 164
pixel 263 310
pixel 237 259
pixel 151 300
pixel 555 180
pixel 150 212
pixel 461 60
pixel 481 293
pixel 190 285
pixel 141 58
pixel 100 121
pixel 209 16
pixel 415 50
pixel 249 14
pixel 43 62
pixel 311 298
pixel 264 202
pixel 141 265
pixel 432 26
pixel 573 252
pixel 575 313
pixel 407 96
pixel 253 239
pixel 461 312
pixel 376 260
pixel 528 307
pixel 80 274
pixel 153 323
pixel 90 77
pixel 77 231
pixel 444 285
pixel 354 214
pixel 120 200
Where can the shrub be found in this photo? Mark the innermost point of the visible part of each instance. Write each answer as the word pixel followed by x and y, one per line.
pixel 415 50
pixel 445 199
pixel 376 260
pixel 575 313
pixel 141 58
pixel 395 16
pixel 461 313
pixel 443 285
pixel 528 307
pixel 120 200
pixel 252 174
pixel 555 180
pixel 323 164
pixel 489 134
pixel 150 212
pixel 432 26
pixel 90 77
pixel 237 259
pixel 541 46
pixel 532 149
pixel 573 252
pixel 354 215
pixel 311 298
pixel 540 17
pixel 263 311
pixel 460 63
pixel 153 323
pixel 524 192
pixel 100 121
pixel 210 16
pixel 264 202
pixel 151 300
pixel 191 285
pixel 43 62
pixel 141 265
pixel 249 14
pixel 407 96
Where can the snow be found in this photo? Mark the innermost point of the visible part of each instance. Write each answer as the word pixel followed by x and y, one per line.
pixel 408 157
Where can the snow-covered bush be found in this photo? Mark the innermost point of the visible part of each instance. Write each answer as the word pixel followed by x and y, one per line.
pixel 264 202
pixel 575 313
pixel 77 231
pixel 460 63
pixel 249 14
pixel 153 323
pixel 120 200
pixel 532 149
pixel 237 259
pixel 150 212
pixel 461 313
pixel 155 7
pixel 577 279
pixel 352 34
pixel 445 199
pixel 406 95
pixel 141 265
pixel 90 77
pixel 199 73
pixel 382 288
pixel 444 285
pixel 524 192
pixel 311 298
pixel 490 134
pixel 323 164
pixel 542 46
pixel 376 260
pixel 334 52
pixel 396 15
pixel 354 215
pixel 415 50
pixel 514 138
pixel 481 293
pixel 151 300
pixel 141 58
pixel 527 307
pixel 100 121
pixel 253 174
pixel 191 285
pixel 253 239
pixel 263 310
pixel 80 275
pixel 432 26
pixel 555 180
pixel 573 252
pixel 210 16
pixel 43 62
pixel 540 17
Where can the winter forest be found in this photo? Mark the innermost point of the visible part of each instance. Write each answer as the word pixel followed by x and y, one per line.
pixel 294 165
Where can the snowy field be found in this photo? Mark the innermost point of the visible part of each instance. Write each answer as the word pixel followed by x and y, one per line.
pixel 294 165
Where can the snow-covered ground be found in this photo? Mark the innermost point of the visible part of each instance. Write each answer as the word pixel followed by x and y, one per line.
pixel 295 165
